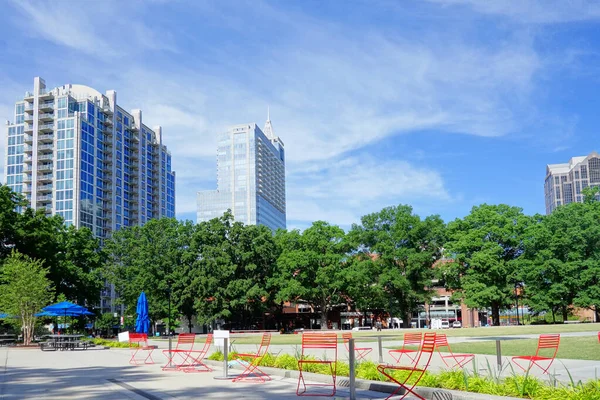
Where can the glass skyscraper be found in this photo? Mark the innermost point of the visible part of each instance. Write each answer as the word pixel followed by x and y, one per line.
pixel 250 178
pixel 74 152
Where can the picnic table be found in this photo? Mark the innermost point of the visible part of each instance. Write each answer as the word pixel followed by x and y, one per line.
pixel 7 339
pixel 64 342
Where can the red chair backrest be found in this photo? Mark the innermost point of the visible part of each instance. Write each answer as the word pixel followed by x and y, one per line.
pixel 548 342
pixel 411 339
pixel 185 340
pixel 427 348
pixel 208 342
pixel 346 336
pixel 138 338
pixel 264 344
pixel 441 340
pixel 322 341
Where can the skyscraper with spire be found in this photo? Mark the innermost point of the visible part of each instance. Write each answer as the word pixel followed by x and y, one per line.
pixel 250 177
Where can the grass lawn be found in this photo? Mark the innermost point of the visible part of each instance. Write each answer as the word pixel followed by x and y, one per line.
pixel 576 348
pixel 369 336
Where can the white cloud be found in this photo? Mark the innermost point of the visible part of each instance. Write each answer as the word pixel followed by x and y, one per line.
pixel 344 189
pixel 108 29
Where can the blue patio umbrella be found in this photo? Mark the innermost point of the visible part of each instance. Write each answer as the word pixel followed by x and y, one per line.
pixel 66 309
pixel 3 315
pixel 142 322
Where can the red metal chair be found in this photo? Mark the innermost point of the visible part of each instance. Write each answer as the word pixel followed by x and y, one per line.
pixel 253 360
pixel 361 352
pixel 185 345
pixel 410 339
pixel 415 372
pixel 195 358
pixel 450 359
pixel 139 342
pixel 326 342
pixel 546 343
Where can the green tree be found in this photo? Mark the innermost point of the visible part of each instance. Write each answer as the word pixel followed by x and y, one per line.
pixel 486 246
pixel 106 322
pixel 403 248
pixel 311 266
pixel 233 263
pixel 147 258
pixel 553 258
pixel 24 291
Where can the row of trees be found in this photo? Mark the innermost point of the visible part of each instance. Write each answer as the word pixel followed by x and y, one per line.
pixel 222 269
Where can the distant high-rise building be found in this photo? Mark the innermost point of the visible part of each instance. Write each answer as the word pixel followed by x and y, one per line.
pixel 74 152
pixel 565 182
pixel 250 178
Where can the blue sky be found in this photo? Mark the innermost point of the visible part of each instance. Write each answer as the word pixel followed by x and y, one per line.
pixel 441 104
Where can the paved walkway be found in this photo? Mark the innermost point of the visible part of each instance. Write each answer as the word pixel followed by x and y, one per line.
pixel 107 375
pixel 561 368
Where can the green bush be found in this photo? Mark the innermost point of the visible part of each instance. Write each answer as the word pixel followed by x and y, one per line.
pixel 515 386
pixel 112 343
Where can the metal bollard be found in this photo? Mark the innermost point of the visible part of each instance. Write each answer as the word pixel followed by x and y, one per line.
pixel 499 355
pixel 352 362
pixel 225 361
pixel 380 349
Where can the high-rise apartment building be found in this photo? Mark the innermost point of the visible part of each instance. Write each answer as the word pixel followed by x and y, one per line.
pixel 74 152
pixel 250 178
pixel 565 182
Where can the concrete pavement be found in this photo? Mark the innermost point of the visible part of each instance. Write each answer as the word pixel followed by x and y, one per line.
pixel 107 375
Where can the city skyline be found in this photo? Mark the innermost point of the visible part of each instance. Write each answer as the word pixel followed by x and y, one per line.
pixel 440 104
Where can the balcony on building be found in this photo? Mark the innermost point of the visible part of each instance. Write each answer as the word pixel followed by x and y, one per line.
pixel 46 157
pixel 28 138
pixel 46 117
pixel 44 178
pixel 29 108
pixel 27 159
pixel 46 138
pixel 28 128
pixel 27 178
pixel 46 106
pixel 28 118
pixel 46 127
pixel 108 122
pixel 45 167
pixel 45 188
pixel 45 147
pixel 28 149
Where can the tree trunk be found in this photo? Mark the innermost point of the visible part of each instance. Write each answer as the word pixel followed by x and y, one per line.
pixel 495 314
pixel 406 319
pixel 553 316
pixel 565 313
pixel 324 315
pixel 189 318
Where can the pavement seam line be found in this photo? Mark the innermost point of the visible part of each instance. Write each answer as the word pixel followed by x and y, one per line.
pixel 134 390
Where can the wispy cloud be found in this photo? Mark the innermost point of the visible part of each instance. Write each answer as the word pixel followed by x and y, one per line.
pixel 341 190
pixel 333 87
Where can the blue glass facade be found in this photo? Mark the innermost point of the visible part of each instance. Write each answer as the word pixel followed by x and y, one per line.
pixel 74 152
pixel 250 178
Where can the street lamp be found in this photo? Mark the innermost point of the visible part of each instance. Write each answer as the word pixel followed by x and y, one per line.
pixel 170 364
pixel 517 301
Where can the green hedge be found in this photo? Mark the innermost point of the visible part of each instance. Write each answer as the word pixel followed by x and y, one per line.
pixel 465 380
pixel 111 343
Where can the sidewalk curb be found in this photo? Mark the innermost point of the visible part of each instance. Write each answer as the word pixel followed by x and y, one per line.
pixel 375 386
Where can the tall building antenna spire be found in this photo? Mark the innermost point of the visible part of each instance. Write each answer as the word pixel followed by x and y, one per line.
pixel 268 130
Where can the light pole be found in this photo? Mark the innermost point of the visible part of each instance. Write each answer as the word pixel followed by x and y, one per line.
pixel 170 364
pixel 517 301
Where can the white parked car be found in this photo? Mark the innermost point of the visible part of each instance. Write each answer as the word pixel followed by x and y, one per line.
pixel 456 324
pixel 445 325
